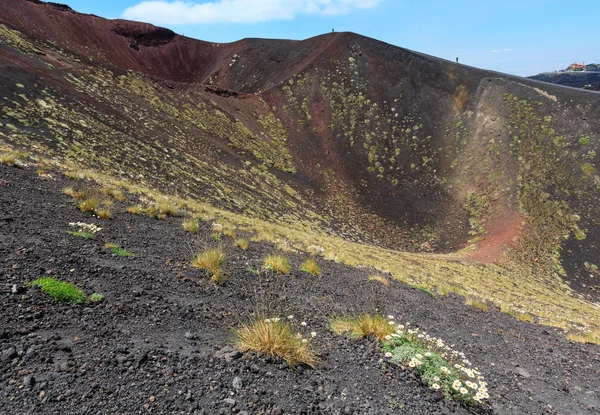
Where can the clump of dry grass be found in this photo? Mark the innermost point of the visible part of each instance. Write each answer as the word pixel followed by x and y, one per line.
pixel 277 263
pixel 213 261
pixel 89 205
pixel 277 339
pixel 115 193
pixel 74 174
pixel 592 337
pixel 310 266
pixel 242 243
pixel 364 326
pixel 379 278
pixel 164 207
pixel 477 304
pixel 526 317
pixel 136 210
pixel 78 194
pixel 230 232
pixel 104 213
pixel 190 225
pixel 13 158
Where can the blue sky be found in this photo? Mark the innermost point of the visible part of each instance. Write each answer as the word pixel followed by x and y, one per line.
pixel 519 37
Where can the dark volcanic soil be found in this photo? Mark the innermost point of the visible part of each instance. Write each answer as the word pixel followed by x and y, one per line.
pixel 159 341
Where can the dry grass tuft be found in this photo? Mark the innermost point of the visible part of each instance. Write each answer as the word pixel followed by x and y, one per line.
pixel 526 317
pixel 89 204
pixel 136 210
pixel 166 208
pixel 190 225
pixel 584 337
pixel 311 266
pixel 277 263
pixel 114 193
pixel 477 304
pixel 379 278
pixel 13 158
pixel 212 260
pixel 242 243
pixel 104 213
pixel 364 326
pixel 276 339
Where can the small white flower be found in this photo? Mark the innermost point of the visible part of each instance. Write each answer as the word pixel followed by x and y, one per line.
pixel 267 320
pixel 463 391
pixel 435 386
pixel 390 317
pixel 388 354
pixel 388 337
pixel 290 317
pixel 313 334
pixel 303 323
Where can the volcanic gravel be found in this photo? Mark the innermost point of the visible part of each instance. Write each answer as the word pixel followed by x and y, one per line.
pixel 161 340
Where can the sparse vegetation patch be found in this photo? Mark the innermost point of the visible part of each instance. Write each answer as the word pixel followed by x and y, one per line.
pixel 278 338
pixel 311 267
pixel 213 261
pixel 438 364
pixel 61 291
pixel 277 263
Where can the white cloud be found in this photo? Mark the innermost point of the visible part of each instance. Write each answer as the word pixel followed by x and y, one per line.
pixel 494 51
pixel 239 11
pixel 507 50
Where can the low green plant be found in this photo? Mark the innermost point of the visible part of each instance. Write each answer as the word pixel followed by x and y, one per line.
pixel 424 289
pixel 84 230
pixel 438 364
pixel 96 297
pixel 253 271
pixel 80 234
pixel 118 251
pixel 277 338
pixel 61 291
pixel 277 263
pixel 311 267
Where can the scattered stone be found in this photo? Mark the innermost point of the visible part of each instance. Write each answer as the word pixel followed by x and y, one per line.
pixel 522 372
pixel 228 353
pixel 237 383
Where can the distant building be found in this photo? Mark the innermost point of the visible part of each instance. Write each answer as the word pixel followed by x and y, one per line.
pixel 576 67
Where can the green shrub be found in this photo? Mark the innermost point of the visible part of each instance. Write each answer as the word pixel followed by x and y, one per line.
pixel 61 291
pixel 96 297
